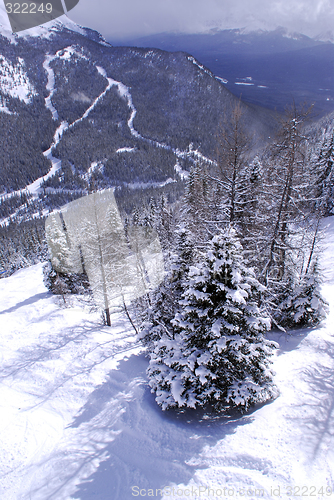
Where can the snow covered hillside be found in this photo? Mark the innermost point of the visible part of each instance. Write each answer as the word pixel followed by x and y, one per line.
pixel 78 420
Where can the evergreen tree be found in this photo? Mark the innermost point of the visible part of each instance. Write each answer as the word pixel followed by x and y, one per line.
pixel 60 287
pixel 324 182
pixel 295 300
pixel 252 220
pixel 305 306
pixel 196 210
pixel 166 300
pixel 219 356
pixel 62 283
pixel 165 223
pixel 58 243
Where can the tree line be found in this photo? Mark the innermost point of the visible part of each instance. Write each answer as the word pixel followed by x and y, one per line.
pixel 245 260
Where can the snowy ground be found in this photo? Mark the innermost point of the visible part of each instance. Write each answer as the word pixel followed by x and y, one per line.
pixel 78 420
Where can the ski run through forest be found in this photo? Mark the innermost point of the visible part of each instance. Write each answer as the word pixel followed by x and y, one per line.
pixel 64 54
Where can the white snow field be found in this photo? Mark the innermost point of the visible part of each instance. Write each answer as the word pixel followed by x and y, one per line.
pixel 78 420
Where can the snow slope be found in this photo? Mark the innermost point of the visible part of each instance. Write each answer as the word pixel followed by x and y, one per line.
pixel 14 80
pixel 78 420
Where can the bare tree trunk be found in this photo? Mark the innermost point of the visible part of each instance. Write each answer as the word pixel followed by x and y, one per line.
pixel 233 149
pixel 312 246
pixel 104 282
pixel 129 317
pixel 107 312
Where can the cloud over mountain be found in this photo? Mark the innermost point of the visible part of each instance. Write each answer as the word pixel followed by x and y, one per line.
pixel 130 17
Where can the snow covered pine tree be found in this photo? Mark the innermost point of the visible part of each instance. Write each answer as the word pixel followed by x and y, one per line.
pixel 167 297
pixel 219 356
pixel 324 182
pixel 306 307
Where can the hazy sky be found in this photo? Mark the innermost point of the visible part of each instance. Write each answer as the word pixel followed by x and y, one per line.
pixel 126 18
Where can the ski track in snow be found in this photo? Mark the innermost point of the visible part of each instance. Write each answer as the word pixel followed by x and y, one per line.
pixel 78 420
pixel 35 186
pixel 124 92
pixel 50 86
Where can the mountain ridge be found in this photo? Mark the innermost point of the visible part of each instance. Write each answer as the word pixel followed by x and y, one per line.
pixel 280 65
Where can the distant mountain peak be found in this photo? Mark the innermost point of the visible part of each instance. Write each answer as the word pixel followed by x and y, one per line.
pixel 328 36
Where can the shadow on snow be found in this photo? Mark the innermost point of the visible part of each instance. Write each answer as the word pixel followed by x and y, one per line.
pixel 151 448
pixel 290 340
pixel 316 405
pixel 27 302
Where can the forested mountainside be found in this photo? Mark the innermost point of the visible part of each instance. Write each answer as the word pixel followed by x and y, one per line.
pixel 151 95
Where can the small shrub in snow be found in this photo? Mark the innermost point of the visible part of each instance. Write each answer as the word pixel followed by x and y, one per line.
pixel 305 306
pixel 61 283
